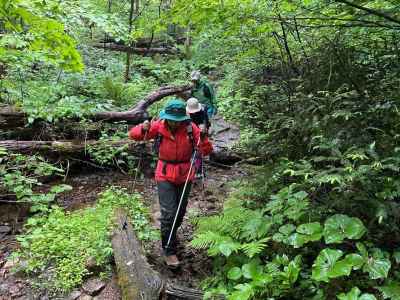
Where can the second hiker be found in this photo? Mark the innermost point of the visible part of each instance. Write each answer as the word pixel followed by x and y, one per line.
pixel 199 116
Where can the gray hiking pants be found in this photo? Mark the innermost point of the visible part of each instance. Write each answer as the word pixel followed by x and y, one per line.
pixel 169 195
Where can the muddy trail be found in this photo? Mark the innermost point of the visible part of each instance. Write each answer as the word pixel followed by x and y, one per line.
pixel 86 187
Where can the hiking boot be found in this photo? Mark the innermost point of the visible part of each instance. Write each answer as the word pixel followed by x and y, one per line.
pixel 172 260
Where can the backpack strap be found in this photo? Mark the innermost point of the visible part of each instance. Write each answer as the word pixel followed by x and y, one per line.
pixel 189 130
pixel 157 143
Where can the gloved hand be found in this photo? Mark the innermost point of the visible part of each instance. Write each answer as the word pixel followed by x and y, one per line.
pixel 146 125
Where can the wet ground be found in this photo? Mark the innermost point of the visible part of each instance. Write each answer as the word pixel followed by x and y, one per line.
pixel 86 187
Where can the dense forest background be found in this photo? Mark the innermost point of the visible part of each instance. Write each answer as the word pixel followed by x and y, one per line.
pixel 314 86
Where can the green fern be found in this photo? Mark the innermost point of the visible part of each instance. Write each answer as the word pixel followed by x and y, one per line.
pixel 254 248
pixel 207 239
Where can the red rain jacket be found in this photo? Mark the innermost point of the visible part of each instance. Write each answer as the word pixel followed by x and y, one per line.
pixel 177 150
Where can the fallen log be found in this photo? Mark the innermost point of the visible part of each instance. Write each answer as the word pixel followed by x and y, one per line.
pixel 11 118
pixel 147 42
pixel 63 147
pixel 137 50
pixel 136 278
pixel 81 148
pixel 138 113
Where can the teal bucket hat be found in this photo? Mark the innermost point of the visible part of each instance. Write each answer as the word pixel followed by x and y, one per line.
pixel 174 110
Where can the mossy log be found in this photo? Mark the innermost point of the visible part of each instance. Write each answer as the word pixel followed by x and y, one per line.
pixel 136 277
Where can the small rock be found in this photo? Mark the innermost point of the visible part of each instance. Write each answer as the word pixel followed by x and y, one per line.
pixel 16 290
pixel 208 192
pixel 211 206
pixel 85 297
pixel 93 286
pixel 90 263
pixel 212 199
pixel 5 229
pixel 4 287
pixel 74 295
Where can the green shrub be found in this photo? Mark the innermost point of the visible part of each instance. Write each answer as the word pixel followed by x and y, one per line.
pixel 272 241
pixel 61 243
pixel 22 176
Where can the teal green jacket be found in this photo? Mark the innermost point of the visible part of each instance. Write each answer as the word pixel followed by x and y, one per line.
pixel 204 92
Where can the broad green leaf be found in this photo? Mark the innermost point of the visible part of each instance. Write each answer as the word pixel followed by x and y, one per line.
pixel 363 250
pixel 327 265
pixel 313 230
pixel 354 294
pixel 252 270
pixel 227 247
pixel 235 273
pixel 262 279
pixel 377 267
pixel 356 260
pixel 287 229
pixel 305 233
pixel 339 227
pixel 244 292
pixel 344 266
pixel 296 240
pixel 324 263
pixel 340 268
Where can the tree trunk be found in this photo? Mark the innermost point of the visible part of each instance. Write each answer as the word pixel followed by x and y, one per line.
pixel 128 54
pixel 136 278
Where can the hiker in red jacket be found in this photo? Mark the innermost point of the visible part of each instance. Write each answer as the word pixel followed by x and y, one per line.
pixel 177 138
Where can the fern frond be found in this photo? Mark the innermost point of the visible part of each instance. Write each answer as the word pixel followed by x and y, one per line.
pixel 251 249
pixel 207 240
pixel 212 223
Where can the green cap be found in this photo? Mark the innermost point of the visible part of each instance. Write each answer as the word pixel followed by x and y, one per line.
pixel 174 110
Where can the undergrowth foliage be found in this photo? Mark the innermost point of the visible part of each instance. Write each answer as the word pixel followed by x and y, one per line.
pixel 59 247
pixel 272 241
pixel 22 176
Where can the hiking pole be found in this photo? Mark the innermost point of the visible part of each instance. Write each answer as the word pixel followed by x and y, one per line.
pixel 183 192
